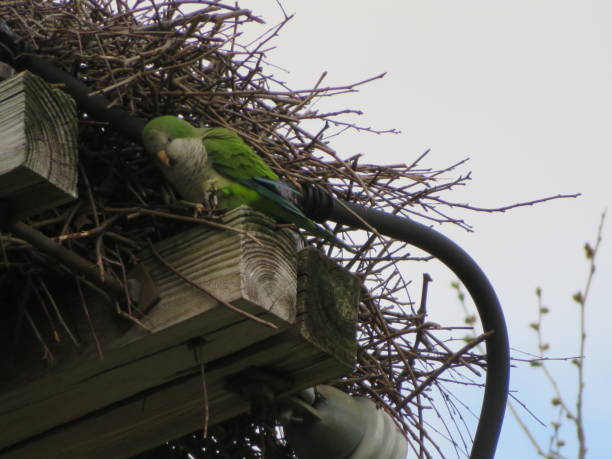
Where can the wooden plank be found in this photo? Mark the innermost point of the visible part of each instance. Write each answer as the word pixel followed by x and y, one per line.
pixel 333 323
pixel 258 278
pixel 38 152
pixel 176 408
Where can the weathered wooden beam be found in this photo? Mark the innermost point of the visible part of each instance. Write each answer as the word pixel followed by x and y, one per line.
pixel 332 324
pixel 148 388
pixel 38 152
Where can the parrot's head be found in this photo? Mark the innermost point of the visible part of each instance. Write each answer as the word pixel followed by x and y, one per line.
pixel 164 137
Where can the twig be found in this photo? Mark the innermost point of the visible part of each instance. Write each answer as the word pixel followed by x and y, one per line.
pixel 59 314
pixel 89 321
pixel 47 354
pixel 197 349
pixel 453 358
pixel 134 211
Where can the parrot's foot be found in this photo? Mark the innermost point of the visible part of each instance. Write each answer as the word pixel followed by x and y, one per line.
pixel 212 199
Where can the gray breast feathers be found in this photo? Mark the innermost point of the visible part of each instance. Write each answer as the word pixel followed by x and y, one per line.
pixel 188 168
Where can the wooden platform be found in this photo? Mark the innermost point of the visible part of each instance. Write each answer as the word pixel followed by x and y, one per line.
pixel 38 153
pixel 148 388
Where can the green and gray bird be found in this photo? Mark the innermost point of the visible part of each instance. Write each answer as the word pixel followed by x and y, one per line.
pixel 200 162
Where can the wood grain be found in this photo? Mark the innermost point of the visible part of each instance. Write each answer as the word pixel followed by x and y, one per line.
pixel 38 152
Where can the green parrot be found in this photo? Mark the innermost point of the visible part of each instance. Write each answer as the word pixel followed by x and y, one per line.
pixel 205 162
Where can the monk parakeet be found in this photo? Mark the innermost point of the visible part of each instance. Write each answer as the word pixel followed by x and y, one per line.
pixel 200 162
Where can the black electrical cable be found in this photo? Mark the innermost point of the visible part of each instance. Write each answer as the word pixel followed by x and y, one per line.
pixel 96 107
pixel 17 52
pixel 320 206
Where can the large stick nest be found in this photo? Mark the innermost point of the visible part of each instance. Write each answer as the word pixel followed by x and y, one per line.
pixel 187 58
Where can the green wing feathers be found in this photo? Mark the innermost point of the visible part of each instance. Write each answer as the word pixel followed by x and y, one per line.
pixel 232 157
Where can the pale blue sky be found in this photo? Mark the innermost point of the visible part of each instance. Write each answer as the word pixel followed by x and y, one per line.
pixel 523 88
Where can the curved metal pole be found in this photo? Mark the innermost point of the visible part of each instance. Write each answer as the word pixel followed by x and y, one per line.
pixel 320 206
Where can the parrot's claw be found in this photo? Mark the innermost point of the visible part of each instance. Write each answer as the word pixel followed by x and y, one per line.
pixel 199 210
pixel 212 200
pixel 198 207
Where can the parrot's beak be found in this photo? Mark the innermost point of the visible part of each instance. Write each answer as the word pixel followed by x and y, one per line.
pixel 163 158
